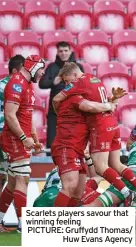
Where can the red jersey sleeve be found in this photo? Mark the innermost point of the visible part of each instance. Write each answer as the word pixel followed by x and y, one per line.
pixel 76 100
pixel 14 90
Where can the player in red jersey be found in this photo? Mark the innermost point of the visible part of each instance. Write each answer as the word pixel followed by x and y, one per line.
pixel 68 147
pixel 104 134
pixel 18 135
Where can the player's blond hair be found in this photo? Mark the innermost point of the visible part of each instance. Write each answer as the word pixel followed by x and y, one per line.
pixel 68 68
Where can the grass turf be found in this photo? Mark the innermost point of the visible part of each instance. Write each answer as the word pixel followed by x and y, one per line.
pixel 10 239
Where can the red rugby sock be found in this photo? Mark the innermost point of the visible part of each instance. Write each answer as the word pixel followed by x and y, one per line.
pixel 19 201
pixel 129 175
pixel 74 202
pixel 5 200
pixel 114 178
pixel 62 200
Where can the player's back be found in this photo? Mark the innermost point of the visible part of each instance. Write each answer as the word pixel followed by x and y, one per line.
pixel 92 88
pixel 19 91
pixel 71 130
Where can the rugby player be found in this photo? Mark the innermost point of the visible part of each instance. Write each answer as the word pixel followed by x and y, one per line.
pixel 67 149
pixel 91 197
pixel 16 137
pixel 15 63
pixel 104 133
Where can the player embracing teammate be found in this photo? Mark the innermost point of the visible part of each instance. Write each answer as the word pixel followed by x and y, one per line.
pixel 104 133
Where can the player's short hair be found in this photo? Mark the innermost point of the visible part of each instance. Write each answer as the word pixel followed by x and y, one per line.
pixel 16 62
pixel 62 44
pixel 68 68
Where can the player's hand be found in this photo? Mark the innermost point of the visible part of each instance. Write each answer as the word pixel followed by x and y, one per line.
pixel 28 143
pixel 57 80
pixel 118 93
pixel 38 147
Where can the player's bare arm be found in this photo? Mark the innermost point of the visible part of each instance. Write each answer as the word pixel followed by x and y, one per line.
pixel 13 123
pixel 95 107
pixel 117 93
pixel 34 133
pixel 10 116
pixel 86 106
pixel 57 99
pixel 55 106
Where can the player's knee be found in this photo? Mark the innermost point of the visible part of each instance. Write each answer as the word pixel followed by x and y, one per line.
pixel 11 183
pixel 70 187
pixel 100 168
pixel 119 167
pixel 11 186
pixel 99 171
pixel 26 179
pixel 22 181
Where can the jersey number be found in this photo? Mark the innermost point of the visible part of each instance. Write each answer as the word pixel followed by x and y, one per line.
pixel 33 100
pixel 103 94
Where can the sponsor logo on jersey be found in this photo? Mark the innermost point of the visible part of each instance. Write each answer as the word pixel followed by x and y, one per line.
pixel 68 87
pixel 17 88
pixel 95 80
pixel 33 100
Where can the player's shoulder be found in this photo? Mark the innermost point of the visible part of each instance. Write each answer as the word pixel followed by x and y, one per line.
pixel 17 83
pixel 86 77
pixel 93 79
pixel 17 77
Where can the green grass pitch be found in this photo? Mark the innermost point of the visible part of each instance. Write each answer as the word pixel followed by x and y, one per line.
pixel 10 239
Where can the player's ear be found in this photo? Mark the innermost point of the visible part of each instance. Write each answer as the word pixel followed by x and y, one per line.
pixel 14 71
